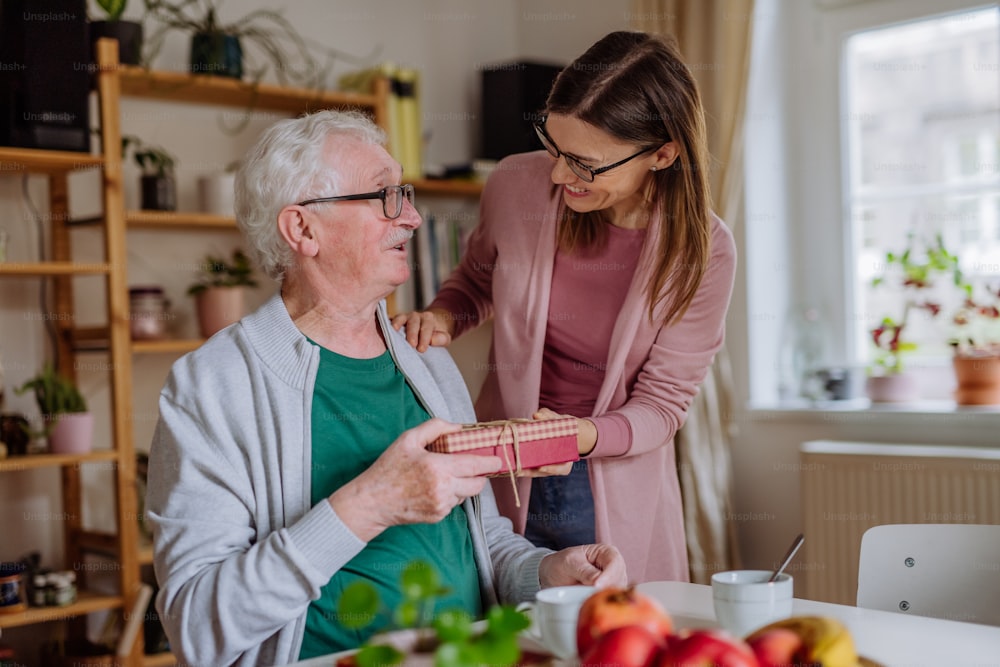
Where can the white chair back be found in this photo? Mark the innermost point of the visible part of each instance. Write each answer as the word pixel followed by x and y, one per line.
pixel 941 570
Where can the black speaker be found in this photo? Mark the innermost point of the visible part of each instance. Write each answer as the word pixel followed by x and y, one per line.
pixel 45 74
pixel 513 93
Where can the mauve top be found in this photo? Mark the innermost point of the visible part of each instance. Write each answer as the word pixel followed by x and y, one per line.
pixel 652 372
pixel 576 344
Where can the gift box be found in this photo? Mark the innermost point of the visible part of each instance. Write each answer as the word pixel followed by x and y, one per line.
pixel 521 444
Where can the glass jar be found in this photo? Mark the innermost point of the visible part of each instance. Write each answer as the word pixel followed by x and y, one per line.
pixel 147 313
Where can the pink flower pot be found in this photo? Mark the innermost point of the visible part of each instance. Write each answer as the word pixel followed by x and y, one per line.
pixel 895 388
pixel 73 433
pixel 218 307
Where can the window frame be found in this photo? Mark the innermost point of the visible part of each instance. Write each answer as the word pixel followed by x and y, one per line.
pixel 799 208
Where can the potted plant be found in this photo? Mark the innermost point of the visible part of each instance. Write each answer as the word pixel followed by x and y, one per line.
pixel 917 271
pixel 976 344
pixel 219 48
pixel 69 427
pixel 158 186
pixel 219 291
pixel 128 33
pixel 448 639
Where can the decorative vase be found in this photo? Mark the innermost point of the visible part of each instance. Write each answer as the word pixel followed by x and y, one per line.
pixel 159 193
pixel 892 388
pixel 216 194
pixel 73 433
pixel 216 53
pixel 218 307
pixel 978 380
pixel 128 34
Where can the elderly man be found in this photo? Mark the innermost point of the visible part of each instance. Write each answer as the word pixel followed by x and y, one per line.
pixel 290 460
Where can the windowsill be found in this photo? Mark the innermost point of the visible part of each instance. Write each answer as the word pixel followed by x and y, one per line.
pixel 862 410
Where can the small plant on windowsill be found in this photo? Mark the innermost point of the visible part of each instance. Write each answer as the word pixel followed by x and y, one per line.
pixel 449 638
pixel 977 346
pixel 917 270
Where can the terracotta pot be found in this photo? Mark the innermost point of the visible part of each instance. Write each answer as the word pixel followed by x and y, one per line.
pixel 73 433
pixel 978 380
pixel 218 307
pixel 894 388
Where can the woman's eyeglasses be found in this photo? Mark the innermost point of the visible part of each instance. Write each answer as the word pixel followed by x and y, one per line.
pixel 585 172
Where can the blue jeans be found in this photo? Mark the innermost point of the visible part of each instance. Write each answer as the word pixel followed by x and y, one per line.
pixel 561 510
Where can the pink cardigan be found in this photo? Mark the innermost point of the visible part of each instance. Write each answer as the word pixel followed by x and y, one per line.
pixel 653 372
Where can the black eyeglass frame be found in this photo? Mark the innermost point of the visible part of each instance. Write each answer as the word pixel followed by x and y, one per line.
pixel 403 192
pixel 588 173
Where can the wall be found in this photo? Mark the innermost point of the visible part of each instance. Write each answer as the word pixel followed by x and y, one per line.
pixel 447 40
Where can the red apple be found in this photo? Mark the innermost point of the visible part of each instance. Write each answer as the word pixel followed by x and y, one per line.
pixel 611 608
pixel 627 646
pixel 706 648
pixel 775 647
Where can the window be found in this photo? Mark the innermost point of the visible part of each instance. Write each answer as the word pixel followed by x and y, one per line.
pixel 921 120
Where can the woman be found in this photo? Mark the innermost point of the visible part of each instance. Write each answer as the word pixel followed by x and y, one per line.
pixel 608 278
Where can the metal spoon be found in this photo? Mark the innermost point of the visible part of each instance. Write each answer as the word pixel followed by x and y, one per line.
pixel 788 556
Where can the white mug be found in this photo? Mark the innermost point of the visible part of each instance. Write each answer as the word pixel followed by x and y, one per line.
pixel 554 615
pixel 745 600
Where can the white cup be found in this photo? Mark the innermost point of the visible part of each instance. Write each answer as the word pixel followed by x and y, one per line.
pixel 554 615
pixel 745 600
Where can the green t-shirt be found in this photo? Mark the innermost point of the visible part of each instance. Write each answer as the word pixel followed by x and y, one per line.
pixel 360 406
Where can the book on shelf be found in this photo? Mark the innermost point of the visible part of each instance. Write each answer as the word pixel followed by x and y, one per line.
pixel 405 131
pixel 436 249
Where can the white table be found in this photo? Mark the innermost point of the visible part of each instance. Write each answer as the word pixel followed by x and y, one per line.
pixel 892 639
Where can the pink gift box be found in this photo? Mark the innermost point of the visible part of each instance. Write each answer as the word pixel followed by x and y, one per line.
pixel 539 443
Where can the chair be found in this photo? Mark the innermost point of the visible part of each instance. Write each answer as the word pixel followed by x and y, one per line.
pixel 949 571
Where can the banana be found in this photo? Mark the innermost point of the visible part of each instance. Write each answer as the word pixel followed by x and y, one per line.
pixel 825 641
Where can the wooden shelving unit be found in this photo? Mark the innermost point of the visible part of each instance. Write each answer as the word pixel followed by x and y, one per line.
pixel 119 457
pixel 113 83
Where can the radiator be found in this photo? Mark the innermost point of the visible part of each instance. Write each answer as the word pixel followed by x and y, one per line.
pixel 848 487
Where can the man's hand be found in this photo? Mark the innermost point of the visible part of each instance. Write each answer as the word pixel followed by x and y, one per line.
pixel 408 484
pixel 425 328
pixel 591 565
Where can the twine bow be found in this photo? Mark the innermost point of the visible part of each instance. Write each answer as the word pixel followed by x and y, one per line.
pixel 512 470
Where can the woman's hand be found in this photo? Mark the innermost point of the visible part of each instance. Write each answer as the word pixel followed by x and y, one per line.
pixel 426 328
pixel 586 439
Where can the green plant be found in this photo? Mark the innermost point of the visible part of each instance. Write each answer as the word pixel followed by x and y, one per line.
pixel 916 269
pixel 153 160
pixel 217 272
pixel 267 31
pixel 457 641
pixel 977 321
pixel 54 393
pixel 113 8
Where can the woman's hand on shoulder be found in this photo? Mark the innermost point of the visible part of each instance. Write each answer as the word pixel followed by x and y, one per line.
pixel 425 328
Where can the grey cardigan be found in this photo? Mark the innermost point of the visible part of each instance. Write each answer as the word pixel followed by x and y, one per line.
pixel 239 552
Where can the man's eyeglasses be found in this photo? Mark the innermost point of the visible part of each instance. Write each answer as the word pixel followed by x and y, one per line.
pixel 585 172
pixel 392 197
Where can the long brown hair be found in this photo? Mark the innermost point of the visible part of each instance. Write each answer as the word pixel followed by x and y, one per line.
pixel 635 87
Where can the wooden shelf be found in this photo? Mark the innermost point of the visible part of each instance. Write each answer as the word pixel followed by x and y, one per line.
pixel 177 220
pixel 224 91
pixel 51 268
pixel 447 187
pixel 86 603
pixel 35 160
pixel 31 461
pixel 167 345
pixel 159 660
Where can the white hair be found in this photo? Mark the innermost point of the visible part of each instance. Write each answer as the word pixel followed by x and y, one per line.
pixel 285 166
